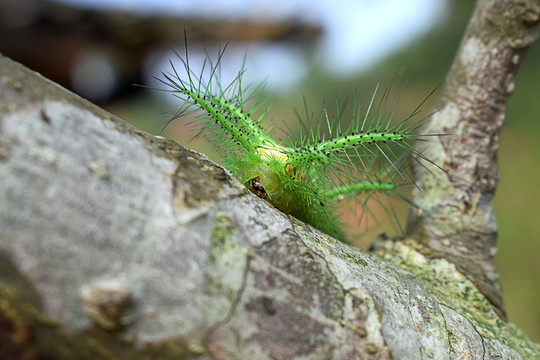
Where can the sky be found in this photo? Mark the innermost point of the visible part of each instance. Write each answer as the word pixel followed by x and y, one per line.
pixel 356 33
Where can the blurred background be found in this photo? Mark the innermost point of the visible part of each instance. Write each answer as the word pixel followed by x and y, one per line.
pixel 317 50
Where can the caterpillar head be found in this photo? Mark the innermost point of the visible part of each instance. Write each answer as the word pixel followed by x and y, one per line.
pixel 256 187
pixel 271 179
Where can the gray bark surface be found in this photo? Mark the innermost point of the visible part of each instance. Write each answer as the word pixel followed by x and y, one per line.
pixel 117 244
pixel 454 216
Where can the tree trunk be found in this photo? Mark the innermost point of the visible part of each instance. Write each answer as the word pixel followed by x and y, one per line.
pixel 115 244
pixel 454 217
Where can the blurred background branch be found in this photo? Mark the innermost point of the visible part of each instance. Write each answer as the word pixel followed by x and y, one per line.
pixel 454 215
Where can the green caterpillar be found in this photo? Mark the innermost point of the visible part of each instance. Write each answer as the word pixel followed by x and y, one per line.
pixel 309 174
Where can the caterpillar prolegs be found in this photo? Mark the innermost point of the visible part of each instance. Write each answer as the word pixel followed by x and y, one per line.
pixel 308 174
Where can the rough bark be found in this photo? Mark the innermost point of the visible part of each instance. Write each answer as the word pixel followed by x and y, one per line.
pixel 454 218
pixel 118 244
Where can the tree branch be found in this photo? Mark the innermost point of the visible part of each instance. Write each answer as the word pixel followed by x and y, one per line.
pixel 454 217
pixel 118 243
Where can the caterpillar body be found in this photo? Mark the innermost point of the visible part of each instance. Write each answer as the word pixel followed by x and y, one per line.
pixel 306 175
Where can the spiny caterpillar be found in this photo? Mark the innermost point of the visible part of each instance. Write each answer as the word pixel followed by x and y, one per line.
pixel 310 173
